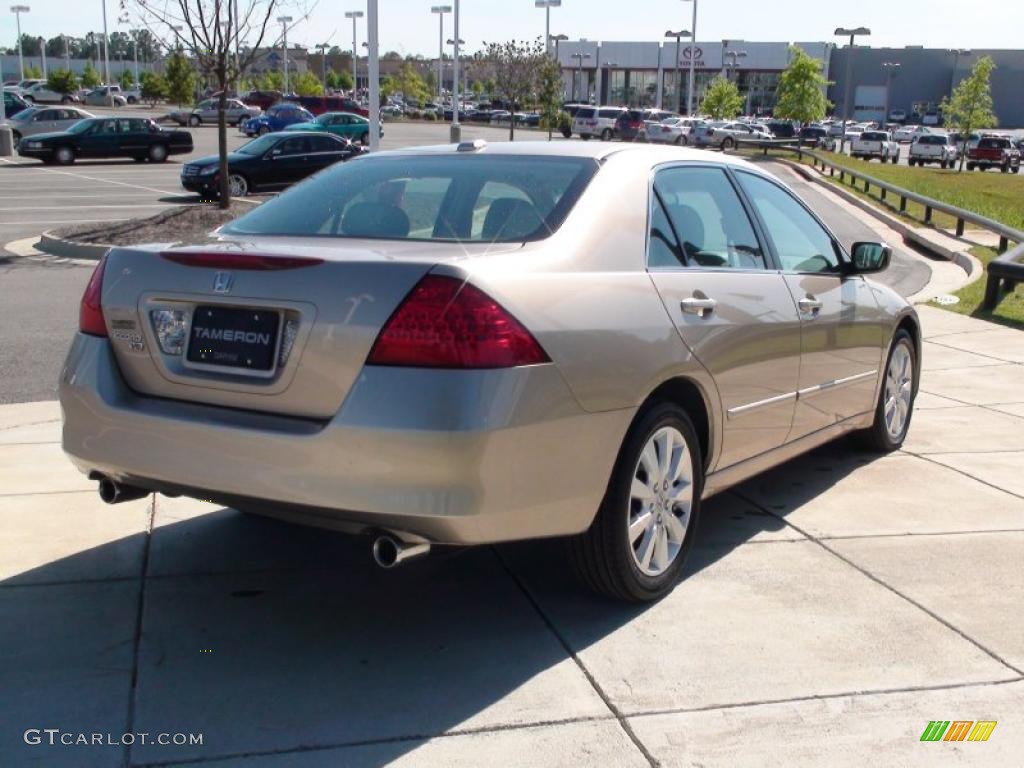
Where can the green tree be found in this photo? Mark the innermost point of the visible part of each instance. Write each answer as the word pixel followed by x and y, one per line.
pixel 971 105
pixel 272 80
pixel 62 81
pixel 801 92
pixel 516 66
pixel 90 77
pixel 32 71
pixel 478 88
pixel 549 94
pixel 127 79
pixel 345 82
pixel 388 86
pixel 331 79
pixel 181 80
pixel 307 84
pixel 411 85
pixel 154 87
pixel 722 100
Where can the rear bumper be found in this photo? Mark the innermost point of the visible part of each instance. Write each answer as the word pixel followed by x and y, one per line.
pixel 463 457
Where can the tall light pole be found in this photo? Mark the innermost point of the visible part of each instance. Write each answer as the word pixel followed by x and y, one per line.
pixel 373 69
pixel 455 133
pixel 890 68
pixel 679 90
pixel 42 48
pixel 322 47
pixel 853 33
pixel 579 56
pixel 106 53
pixel 609 65
pixel 957 53
pixel 67 53
pixel 355 16
pixel 547 5
pixel 440 10
pixel 17 10
pixel 284 21
pixel 135 51
pixel 693 61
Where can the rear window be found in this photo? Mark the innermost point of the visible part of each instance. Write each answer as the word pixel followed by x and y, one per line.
pixel 994 143
pixel 429 197
pixel 873 136
pixel 609 113
pixel 586 112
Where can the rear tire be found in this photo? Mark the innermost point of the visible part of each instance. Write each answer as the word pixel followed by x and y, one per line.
pixel 728 143
pixel 157 153
pixel 609 558
pixel 606 134
pixel 264 130
pixel 364 139
pixel 195 121
pixel 895 405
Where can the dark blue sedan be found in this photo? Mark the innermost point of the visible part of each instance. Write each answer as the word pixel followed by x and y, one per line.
pixel 277 118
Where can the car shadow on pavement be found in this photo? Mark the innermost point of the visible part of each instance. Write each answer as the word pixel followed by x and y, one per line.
pixel 270 638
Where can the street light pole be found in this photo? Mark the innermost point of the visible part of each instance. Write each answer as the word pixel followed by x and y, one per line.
pixel 355 16
pixel 373 72
pixel 284 21
pixel 42 56
pixel 457 91
pixel 322 47
pixel 678 80
pixel 67 53
pixel 135 50
pixel 579 71
pixel 890 68
pixel 693 61
pixel 17 10
pixel 106 53
pixel 547 5
pixel 440 10
pixel 853 33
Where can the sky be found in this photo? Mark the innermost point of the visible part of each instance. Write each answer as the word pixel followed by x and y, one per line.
pixel 408 26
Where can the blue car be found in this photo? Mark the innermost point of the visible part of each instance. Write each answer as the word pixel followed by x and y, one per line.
pixel 277 118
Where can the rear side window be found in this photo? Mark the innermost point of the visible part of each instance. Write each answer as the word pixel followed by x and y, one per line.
pixel 428 197
pixel 708 219
pixel 609 113
pixel 586 113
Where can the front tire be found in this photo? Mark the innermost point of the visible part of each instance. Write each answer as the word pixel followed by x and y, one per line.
pixel 636 546
pixel 157 153
pixel 606 134
pixel 195 121
pixel 64 156
pixel 364 138
pixel 728 143
pixel 896 399
pixel 238 185
pixel 264 130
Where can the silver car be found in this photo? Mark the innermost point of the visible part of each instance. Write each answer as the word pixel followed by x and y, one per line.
pixel 206 112
pixel 35 120
pixel 481 343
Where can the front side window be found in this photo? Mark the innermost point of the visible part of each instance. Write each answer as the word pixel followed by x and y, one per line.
pixel 708 219
pixel 474 198
pixel 800 242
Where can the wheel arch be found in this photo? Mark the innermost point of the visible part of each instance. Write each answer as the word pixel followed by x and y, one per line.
pixel 691 397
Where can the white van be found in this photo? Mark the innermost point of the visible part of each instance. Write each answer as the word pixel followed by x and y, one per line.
pixel 596 122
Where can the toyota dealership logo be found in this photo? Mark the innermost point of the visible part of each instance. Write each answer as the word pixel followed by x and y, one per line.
pixel 693 53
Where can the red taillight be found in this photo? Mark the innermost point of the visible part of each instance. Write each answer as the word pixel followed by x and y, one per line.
pixel 445 323
pixel 243 261
pixel 90 313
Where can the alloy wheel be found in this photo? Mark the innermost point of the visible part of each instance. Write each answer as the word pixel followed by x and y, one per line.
pixel 899 385
pixel 237 185
pixel 661 499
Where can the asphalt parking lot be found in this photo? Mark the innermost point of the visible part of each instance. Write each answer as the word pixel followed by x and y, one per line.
pixel 832 607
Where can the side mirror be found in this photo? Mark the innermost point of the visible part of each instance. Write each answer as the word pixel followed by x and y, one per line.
pixel 869 258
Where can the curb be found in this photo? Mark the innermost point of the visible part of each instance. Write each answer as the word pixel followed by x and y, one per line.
pixel 962 259
pixel 71 249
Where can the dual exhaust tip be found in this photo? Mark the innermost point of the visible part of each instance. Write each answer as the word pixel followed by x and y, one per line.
pixel 388 551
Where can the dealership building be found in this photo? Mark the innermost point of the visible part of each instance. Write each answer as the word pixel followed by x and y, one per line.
pixel 646 74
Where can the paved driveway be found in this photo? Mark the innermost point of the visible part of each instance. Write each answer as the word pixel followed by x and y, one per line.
pixel 832 608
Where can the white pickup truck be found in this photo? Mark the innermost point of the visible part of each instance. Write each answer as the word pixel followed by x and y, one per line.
pixel 932 148
pixel 876 144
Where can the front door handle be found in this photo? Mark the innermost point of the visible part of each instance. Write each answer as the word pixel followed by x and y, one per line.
pixel 809 306
pixel 701 307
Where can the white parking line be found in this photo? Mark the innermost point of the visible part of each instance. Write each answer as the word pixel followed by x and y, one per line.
pixel 90 207
pixel 108 181
pixel 62 196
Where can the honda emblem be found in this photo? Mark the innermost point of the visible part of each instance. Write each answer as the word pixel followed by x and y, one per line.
pixel 222 282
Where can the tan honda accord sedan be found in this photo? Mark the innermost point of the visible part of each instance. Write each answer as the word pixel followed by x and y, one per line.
pixel 486 342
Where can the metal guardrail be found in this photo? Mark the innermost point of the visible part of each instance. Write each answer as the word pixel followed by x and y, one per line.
pixel 1004 272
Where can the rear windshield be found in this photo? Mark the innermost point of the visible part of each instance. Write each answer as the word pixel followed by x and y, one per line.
pixel 868 136
pixel 586 112
pixel 472 198
pixel 994 143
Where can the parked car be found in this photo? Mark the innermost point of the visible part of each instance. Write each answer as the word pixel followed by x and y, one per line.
pixel 40 94
pixel 994 152
pixel 321 104
pixel 277 118
pixel 631 124
pixel 898 116
pixel 23 85
pixel 934 148
pixel 877 145
pixel 262 99
pixel 270 369
pixel 596 122
pixel 270 162
pixel 932 117
pixel 105 96
pixel 671 130
pixel 36 120
pixel 13 103
pixel 727 135
pixel 132 95
pixel 136 137
pixel 910 133
pixel 206 111
pixel 344 124
pixel 816 136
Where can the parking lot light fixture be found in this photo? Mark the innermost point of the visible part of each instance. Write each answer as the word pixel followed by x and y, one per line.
pixel 547 5
pixel 440 10
pixel 678 35
pixel 284 21
pixel 580 57
pixel 17 10
pixel 853 33
pixel 355 16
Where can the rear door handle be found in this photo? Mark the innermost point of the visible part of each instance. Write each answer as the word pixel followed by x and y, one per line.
pixel 695 306
pixel 809 306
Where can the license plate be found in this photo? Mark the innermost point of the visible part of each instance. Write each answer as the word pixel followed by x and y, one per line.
pixel 234 338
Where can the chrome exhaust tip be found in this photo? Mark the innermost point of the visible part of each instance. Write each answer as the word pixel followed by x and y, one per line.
pixel 112 492
pixel 389 551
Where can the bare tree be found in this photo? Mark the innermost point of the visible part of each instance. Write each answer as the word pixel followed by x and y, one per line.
pixel 211 33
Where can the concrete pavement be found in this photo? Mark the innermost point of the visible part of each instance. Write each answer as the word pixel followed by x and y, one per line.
pixel 832 608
